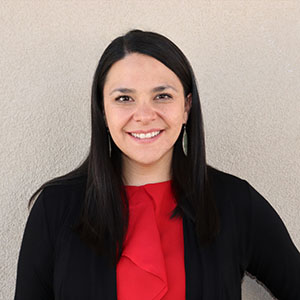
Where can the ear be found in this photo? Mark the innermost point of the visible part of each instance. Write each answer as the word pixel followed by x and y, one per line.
pixel 187 106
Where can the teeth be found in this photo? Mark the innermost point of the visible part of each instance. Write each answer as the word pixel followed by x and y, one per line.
pixel 145 136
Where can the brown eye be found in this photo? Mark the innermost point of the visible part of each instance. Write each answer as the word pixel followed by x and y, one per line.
pixel 164 96
pixel 123 98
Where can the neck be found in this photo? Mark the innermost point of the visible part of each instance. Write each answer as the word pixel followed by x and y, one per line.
pixel 137 174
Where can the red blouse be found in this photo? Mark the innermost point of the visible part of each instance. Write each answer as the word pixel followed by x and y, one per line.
pixel 152 262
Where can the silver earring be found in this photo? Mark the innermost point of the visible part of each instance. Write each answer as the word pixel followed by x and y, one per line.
pixel 109 143
pixel 184 141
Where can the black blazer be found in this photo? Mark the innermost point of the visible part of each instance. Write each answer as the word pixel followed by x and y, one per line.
pixel 55 264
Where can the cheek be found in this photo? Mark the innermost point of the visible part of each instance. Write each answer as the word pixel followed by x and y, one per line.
pixel 175 116
pixel 116 118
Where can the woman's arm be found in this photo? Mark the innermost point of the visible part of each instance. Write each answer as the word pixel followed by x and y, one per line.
pixel 35 265
pixel 273 258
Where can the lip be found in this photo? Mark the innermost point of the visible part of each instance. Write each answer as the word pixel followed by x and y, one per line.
pixel 146 141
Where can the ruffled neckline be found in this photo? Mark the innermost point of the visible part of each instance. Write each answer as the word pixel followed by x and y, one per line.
pixel 160 194
pixel 142 269
pixel 156 184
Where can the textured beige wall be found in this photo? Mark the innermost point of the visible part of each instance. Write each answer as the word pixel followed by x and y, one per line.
pixel 247 61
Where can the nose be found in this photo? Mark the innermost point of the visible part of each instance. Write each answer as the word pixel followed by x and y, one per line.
pixel 144 113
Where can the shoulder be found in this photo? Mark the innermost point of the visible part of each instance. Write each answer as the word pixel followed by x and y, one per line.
pixel 231 192
pixel 63 193
pixel 227 183
pixel 228 186
pixel 59 204
pixel 237 198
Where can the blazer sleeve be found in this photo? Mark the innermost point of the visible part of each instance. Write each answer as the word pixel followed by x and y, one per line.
pixel 273 258
pixel 35 264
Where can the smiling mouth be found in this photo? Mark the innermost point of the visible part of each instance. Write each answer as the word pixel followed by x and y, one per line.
pixel 145 136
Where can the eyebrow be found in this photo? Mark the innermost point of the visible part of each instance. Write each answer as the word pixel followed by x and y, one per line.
pixel 156 89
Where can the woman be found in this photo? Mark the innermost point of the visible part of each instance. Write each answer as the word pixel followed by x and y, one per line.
pixel 144 216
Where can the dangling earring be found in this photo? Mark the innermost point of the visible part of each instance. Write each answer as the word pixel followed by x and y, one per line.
pixel 184 141
pixel 109 144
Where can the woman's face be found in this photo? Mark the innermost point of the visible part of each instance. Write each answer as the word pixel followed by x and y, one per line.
pixel 144 108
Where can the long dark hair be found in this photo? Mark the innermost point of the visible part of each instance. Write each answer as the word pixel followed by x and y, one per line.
pixel 104 216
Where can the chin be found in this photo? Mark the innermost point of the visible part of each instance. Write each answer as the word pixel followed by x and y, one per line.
pixel 150 159
pixel 145 161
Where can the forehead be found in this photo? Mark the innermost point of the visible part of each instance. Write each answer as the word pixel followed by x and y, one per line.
pixel 137 70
